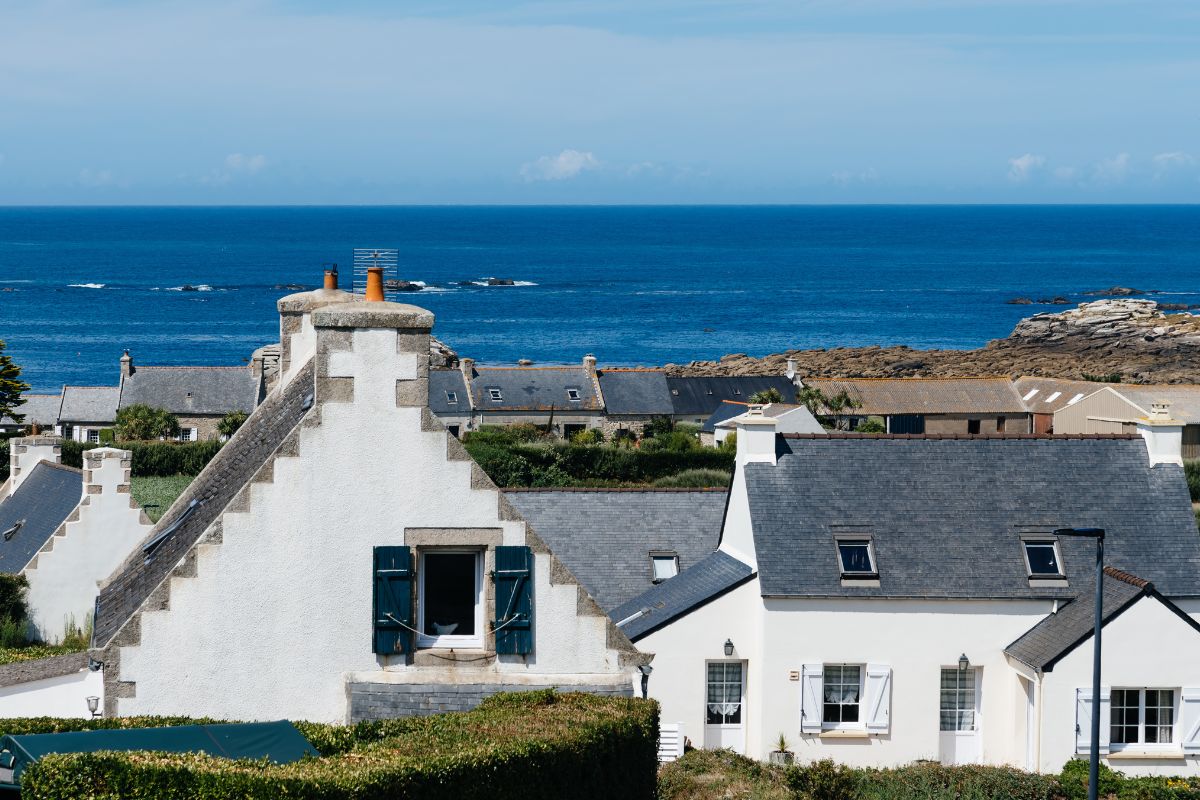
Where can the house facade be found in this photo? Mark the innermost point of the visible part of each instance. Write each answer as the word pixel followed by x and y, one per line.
pixel 566 399
pixel 199 397
pixel 788 419
pixel 342 558
pixel 694 399
pixel 38 413
pixel 879 600
pixel 632 399
pixel 930 405
pixel 86 410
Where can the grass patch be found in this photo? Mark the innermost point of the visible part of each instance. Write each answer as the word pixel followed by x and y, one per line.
pixel 156 494
pixel 15 655
pixel 721 775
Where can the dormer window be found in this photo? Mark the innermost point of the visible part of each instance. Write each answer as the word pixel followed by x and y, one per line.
pixel 452 398
pixel 857 558
pixel 664 565
pixel 496 396
pixel 573 395
pixel 1042 558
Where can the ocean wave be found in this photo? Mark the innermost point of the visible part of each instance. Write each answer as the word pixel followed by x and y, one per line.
pixel 485 282
pixel 86 285
pixel 187 287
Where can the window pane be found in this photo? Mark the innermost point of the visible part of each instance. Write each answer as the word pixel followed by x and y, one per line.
pixel 450 593
pixel 1124 713
pixel 665 567
pixel 958 700
pixel 1042 558
pixel 841 692
pixel 856 556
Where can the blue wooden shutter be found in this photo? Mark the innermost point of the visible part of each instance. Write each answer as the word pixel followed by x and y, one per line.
pixel 513 579
pixel 393 600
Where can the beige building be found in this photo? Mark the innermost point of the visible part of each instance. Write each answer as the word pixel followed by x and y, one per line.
pixel 1117 408
pixel 931 405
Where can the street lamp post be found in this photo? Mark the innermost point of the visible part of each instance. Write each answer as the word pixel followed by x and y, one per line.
pixel 1094 755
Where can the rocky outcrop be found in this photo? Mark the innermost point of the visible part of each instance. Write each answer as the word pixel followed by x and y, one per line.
pixel 1132 337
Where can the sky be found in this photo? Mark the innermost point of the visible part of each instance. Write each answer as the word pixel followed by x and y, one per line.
pixel 599 101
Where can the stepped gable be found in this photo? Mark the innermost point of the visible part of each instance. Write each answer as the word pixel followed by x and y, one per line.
pixel 31 515
pixel 240 461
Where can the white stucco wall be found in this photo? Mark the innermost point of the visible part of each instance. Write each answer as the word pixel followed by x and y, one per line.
pixel 64 696
pixel 279 614
pixel 64 579
pixel 1148 646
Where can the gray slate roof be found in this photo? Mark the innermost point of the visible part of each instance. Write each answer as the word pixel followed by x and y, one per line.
pixel 636 391
pixel 43 501
pixel 89 404
pixel 605 536
pixel 534 389
pixel 727 410
pixel 715 575
pixel 1058 634
pixel 442 381
pixel 946 513
pixel 217 484
pixel 701 396
pixel 37 408
pixel 192 390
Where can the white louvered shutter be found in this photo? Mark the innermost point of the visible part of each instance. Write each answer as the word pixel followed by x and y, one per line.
pixel 670 741
pixel 878 696
pixel 1189 719
pixel 1083 718
pixel 810 698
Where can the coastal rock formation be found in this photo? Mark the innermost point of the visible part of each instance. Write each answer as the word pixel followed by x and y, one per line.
pixel 1132 337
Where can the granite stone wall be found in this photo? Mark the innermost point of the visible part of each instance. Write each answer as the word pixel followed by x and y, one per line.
pixel 369 701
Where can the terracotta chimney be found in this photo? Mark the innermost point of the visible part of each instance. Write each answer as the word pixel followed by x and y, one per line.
pixel 331 279
pixel 127 367
pixel 375 284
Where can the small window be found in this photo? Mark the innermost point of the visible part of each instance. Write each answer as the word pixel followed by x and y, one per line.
pixel 1075 399
pixel 855 557
pixel 664 565
pixel 1142 717
pixel 11 532
pixel 724 704
pixel 93 436
pixel 452 398
pixel 972 426
pixel 573 395
pixel 450 591
pixel 841 694
pixel 1000 423
pixel 1041 556
pixel 958 699
pixel 495 395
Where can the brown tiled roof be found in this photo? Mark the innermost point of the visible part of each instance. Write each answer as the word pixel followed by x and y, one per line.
pixel 884 396
pixel 1047 395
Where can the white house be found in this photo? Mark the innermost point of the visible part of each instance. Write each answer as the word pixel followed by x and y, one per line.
pixel 883 599
pixel 788 419
pixel 342 557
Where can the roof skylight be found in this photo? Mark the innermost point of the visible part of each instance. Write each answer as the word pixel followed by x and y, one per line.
pixel 1041 558
pixel 857 557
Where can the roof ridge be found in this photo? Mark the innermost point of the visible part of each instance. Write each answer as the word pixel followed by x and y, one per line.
pixel 70 386
pixel 964 436
pixel 560 367
pixel 141 367
pixel 602 370
pixel 63 467
pixel 625 489
pixel 1126 577
pixel 1004 378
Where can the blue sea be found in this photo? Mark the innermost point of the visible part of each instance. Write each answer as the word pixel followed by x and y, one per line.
pixel 634 285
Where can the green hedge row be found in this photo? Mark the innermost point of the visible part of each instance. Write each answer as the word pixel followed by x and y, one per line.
pixel 149 458
pixel 1191 469
pixel 528 746
pixel 574 465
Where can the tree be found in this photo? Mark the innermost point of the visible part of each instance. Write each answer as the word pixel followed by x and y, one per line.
pixel 230 423
pixel 822 406
pixel 767 396
pixel 11 387
pixel 142 422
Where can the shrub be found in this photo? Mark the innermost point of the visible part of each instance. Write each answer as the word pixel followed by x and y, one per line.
pixel 1191 469
pixel 153 459
pixel 13 607
pixel 230 423
pixel 141 422
pixel 677 441
pixel 721 774
pixel 695 479
pixel 871 425
pixel 823 780
pixel 588 436
pixel 529 746
pixel 931 781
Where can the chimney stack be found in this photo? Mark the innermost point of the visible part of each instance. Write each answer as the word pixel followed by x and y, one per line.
pixel 1163 435
pixel 589 365
pixel 375 284
pixel 756 437
pixel 791 370
pixel 331 278
pixel 467 365
pixel 127 367
pixel 25 453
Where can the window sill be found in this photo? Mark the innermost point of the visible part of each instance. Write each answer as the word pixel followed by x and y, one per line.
pixel 847 734
pixel 865 581
pixel 1146 755
pixel 1048 583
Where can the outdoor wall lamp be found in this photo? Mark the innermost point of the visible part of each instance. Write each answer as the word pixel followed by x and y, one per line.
pixel 645 669
pixel 964 663
pixel 729 647
pixel 94 706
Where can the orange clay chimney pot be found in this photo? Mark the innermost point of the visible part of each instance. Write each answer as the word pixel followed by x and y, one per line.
pixel 375 284
pixel 330 279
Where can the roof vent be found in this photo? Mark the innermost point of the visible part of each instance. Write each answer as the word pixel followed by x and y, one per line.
pixel 1160 410
pixel 11 532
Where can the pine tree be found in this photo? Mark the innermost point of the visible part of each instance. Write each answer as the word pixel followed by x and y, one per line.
pixel 11 387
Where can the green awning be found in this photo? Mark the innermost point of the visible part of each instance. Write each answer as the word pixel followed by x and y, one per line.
pixel 278 741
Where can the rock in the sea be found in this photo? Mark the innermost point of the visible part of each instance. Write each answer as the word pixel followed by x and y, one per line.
pixel 501 282
pixel 292 287
pixel 1116 291
pixel 1019 301
pixel 395 285
pixel 1057 300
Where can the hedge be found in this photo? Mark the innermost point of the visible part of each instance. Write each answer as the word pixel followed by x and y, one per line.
pixel 572 465
pixel 1191 470
pixel 529 746
pixel 150 459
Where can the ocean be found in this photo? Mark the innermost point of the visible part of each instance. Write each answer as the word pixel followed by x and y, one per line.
pixel 633 285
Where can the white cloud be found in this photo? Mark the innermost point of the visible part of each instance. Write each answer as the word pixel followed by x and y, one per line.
pixel 1021 168
pixel 1112 170
pixel 1169 162
pixel 567 164
pixel 237 162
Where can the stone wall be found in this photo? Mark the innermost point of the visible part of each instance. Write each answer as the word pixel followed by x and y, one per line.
pixel 369 701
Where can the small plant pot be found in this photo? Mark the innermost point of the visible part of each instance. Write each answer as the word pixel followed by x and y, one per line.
pixel 781 758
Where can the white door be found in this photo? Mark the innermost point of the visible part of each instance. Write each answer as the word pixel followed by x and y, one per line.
pixel 724 707
pixel 961 729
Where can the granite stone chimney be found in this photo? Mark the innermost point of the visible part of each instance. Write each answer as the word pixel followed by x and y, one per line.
pixel 127 367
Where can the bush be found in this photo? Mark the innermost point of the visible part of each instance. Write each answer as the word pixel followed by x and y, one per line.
pixel 13 607
pixel 931 781
pixel 153 459
pixel 140 421
pixel 588 436
pixel 677 441
pixel 1112 784
pixel 1191 470
pixel 695 479
pixel 871 425
pixel 230 423
pixel 528 746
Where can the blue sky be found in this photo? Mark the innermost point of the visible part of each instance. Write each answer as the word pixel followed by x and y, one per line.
pixel 595 101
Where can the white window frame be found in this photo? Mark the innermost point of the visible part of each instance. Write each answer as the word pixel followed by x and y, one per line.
pixel 1141 743
pixel 451 398
pixel 742 700
pixel 474 642
pixel 976 697
pixel 655 557
pixel 1042 540
pixel 90 433
pixel 574 396
pixel 852 538
pixel 861 724
pixel 495 395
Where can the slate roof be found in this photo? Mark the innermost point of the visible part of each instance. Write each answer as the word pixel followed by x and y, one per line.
pixel 1047 395
pixel 186 391
pixel 636 391
pixel 218 483
pixel 442 381
pixel 37 408
pixel 534 389
pixel 702 396
pixel 41 503
pixel 715 575
pixel 89 404
pixel 726 411
pixel 946 513
pixel 605 536
pixel 1058 634
pixel 884 396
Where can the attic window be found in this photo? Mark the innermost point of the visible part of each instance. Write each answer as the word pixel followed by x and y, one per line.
pixel 857 557
pixel 1041 558
pixel 664 565
pixel 573 395
pixel 452 398
pixel 735 390
pixel 495 395
pixel 11 532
